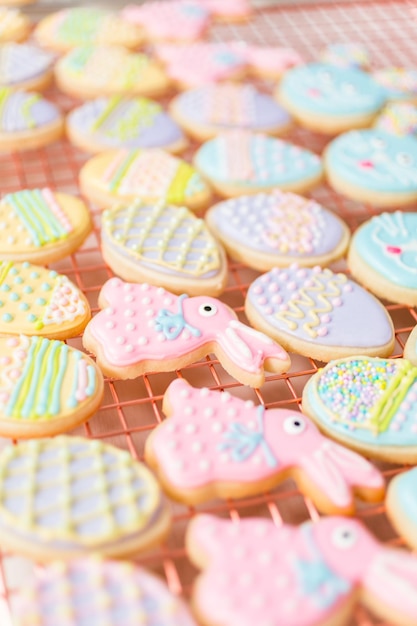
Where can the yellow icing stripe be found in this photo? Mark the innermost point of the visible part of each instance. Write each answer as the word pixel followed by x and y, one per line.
pixel 387 406
pixel 5 267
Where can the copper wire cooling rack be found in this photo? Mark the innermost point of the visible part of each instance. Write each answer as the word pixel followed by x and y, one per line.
pixel 131 409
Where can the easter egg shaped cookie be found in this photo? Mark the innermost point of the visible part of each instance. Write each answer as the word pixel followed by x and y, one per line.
pixel 399 83
pixel 401 505
pixel 368 404
pixel 151 175
pixel 410 348
pixel 373 166
pixel 42 226
pixel 25 66
pixel 65 497
pixel 14 25
pixel 276 229
pixel 165 245
pixel 46 387
pixel 382 256
pixel 239 162
pixel 38 301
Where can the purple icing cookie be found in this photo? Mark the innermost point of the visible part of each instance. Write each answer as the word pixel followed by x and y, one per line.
pixel 319 314
pixel 276 229
pixel 24 65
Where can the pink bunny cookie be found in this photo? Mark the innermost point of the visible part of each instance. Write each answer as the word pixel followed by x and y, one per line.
pixel 144 328
pixel 214 445
pixel 311 575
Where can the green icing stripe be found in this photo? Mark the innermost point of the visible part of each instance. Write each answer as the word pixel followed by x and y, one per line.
pixel 55 403
pixel 36 216
pixel 176 192
pixel 47 217
pixel 15 400
pixel 5 267
pixel 111 106
pixel 26 110
pixel 35 382
pixel 14 200
pixel 122 170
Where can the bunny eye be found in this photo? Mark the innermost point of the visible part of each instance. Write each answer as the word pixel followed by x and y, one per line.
pixel 343 537
pixel 207 310
pixel 405 159
pixel 378 143
pixel 294 425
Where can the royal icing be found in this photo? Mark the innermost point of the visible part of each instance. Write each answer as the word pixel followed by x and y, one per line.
pixel 352 55
pixel 213 439
pixel 255 160
pixel 272 60
pixel 22 62
pixel 94 592
pixel 315 305
pixel 231 105
pixel 162 237
pixel 388 244
pixel 328 90
pixel 231 9
pixel 370 400
pixel 72 493
pixel 398 118
pixel 399 83
pixel 118 122
pixel 410 348
pixel 403 488
pixel 21 111
pixel 152 174
pixel 41 379
pixel 177 19
pixel 376 160
pixel 144 324
pixel 278 223
pixel 258 573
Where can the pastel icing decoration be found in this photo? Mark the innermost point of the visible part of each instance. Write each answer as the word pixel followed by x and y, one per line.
pixel 368 404
pixel 383 256
pixel 69 496
pixel 276 229
pixel 117 122
pixel 215 445
pixel 323 315
pixel 401 505
pixel 46 387
pixel 119 593
pixel 14 25
pixel 206 111
pixel 400 83
pixel 230 11
pixel 144 328
pixel 178 19
pixel 352 55
pixel 63 30
pixel 303 575
pixel 166 245
pixel 38 301
pixel 151 175
pixel 90 71
pixel 410 348
pixel 373 166
pixel 24 66
pixel 398 118
pixel 330 99
pixel 42 226
pixel 240 162
pixel 272 61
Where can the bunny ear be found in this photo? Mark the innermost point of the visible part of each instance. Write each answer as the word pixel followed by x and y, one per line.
pixel 390 585
pixel 177 396
pixel 207 537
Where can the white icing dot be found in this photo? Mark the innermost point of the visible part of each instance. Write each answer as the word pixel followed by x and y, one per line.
pixel 161 337
pixel 129 347
pixel 150 313
pixel 196 446
pixel 160 291
pixel 217 427
pixel 167 301
pixel 190 429
pixel 129 298
pixel 249 404
pixel 204 391
pixel 208 412
pixel 129 313
pixel 142 341
pixel 120 340
pixel 146 300
pixel 109 311
pixel 245 579
pixel 225 396
pixel 172 444
pixel 185 393
pixel 171 427
pixel 204 465
pixel 144 287
pixel 231 412
pixel 110 324
pixel 130 326
pixel 189 410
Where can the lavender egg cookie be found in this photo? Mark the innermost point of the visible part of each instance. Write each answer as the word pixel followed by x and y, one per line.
pixel 25 66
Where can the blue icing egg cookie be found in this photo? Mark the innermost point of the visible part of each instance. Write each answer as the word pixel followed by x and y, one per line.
pixel 401 505
pixel 369 404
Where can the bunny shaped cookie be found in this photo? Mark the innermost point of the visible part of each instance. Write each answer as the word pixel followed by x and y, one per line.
pixel 312 575
pixel 216 445
pixel 144 328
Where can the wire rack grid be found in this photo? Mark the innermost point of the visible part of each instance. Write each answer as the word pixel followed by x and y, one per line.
pixel 131 409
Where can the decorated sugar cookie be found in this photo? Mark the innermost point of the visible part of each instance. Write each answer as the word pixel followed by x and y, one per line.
pixel 383 257
pixel 214 445
pixel 119 593
pixel 117 122
pixel 165 245
pixel 46 387
pixel 38 301
pixel 276 229
pixel 182 20
pixel 400 83
pixel 91 71
pixel 398 118
pixel 27 120
pixel 239 162
pixel 352 55
pixel 41 226
pixel 373 166
pixel 14 25
pixel 24 66
pixel 367 404
pixel 401 505
pixel 64 497
pixel 144 328
pixel 206 111
pixel 271 61
pixel 330 99
pixel 323 315
pixel 68 28
pixel 410 348
pixel 256 572
pixel 230 11
pixel 152 175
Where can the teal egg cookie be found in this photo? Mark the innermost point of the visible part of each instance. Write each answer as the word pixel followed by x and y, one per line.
pixel 401 505
pixel 368 404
